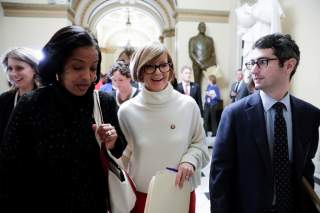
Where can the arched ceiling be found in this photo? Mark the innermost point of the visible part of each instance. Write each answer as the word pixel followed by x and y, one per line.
pixel 113 30
pixel 107 20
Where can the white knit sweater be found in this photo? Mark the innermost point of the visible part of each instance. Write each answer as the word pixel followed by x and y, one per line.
pixel 163 129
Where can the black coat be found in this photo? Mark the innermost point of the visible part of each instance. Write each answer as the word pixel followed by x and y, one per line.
pixel 49 157
pixel 6 108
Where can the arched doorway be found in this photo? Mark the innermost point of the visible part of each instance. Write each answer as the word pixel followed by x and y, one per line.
pixel 122 24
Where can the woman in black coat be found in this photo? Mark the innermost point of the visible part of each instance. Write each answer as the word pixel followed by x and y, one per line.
pixel 50 158
pixel 21 67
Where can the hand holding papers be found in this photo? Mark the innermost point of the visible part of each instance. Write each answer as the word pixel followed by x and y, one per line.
pixel 164 196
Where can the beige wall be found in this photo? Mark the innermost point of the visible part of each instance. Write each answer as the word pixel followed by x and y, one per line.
pixel 1 27
pixel 3 79
pixel 31 32
pixel 302 22
pixel 27 1
pixel 205 4
pixel 107 60
pixel 25 31
pixel 170 44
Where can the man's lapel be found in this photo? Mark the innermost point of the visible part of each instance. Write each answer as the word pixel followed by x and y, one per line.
pixel 297 135
pixel 255 114
pixel 180 88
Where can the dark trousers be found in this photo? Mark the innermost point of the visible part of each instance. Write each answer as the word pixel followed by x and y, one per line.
pixel 211 118
pixel 142 198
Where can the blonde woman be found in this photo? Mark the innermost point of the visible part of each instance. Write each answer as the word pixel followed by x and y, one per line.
pixel 21 67
pixel 171 123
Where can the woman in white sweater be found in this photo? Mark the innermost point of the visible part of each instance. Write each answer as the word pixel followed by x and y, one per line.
pixel 162 126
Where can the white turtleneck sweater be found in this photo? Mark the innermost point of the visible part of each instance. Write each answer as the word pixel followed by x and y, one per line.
pixel 163 129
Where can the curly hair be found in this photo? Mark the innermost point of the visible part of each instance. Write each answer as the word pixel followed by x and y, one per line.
pixel 122 67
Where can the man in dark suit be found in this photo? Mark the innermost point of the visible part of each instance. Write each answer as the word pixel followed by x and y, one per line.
pixel 244 175
pixel 190 88
pixel 239 88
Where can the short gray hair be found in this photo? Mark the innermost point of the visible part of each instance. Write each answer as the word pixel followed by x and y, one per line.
pixel 185 67
pixel 21 54
pixel 145 55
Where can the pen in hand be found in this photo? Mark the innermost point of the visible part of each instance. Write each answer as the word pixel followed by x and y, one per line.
pixel 172 169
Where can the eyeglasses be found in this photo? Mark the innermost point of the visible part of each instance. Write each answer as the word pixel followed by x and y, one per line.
pixel 260 62
pixel 151 68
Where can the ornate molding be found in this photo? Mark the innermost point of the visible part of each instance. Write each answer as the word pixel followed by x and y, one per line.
pixel 37 10
pixel 202 15
pixel 75 4
pixel 168 33
pixel 89 12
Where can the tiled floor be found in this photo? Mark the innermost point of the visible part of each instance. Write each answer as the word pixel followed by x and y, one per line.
pixel 203 203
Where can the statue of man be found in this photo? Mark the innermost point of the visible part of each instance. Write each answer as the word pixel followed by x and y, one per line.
pixel 201 52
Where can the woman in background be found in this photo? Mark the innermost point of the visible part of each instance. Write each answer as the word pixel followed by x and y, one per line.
pixel 50 158
pixel 212 103
pixel 171 124
pixel 21 67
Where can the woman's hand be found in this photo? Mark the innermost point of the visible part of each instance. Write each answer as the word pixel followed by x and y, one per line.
pixel 107 135
pixel 185 171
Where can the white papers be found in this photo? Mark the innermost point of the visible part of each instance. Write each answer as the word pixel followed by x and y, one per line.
pixel 164 196
pixel 212 93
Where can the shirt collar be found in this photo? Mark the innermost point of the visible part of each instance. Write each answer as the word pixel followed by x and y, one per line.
pixel 268 101
pixel 186 83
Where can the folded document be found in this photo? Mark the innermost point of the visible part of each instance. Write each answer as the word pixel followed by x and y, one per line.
pixel 164 196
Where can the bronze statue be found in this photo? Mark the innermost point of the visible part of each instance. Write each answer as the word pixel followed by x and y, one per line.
pixel 201 52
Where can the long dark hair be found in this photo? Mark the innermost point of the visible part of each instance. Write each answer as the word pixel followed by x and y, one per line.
pixel 59 49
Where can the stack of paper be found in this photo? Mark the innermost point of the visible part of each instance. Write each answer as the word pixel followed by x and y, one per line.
pixel 164 196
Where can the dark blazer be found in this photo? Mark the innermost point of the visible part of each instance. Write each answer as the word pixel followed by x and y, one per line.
pixel 242 92
pixel 195 93
pixel 241 169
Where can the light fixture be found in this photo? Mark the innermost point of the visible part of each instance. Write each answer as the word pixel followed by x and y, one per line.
pixel 128 28
pixel 128 23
